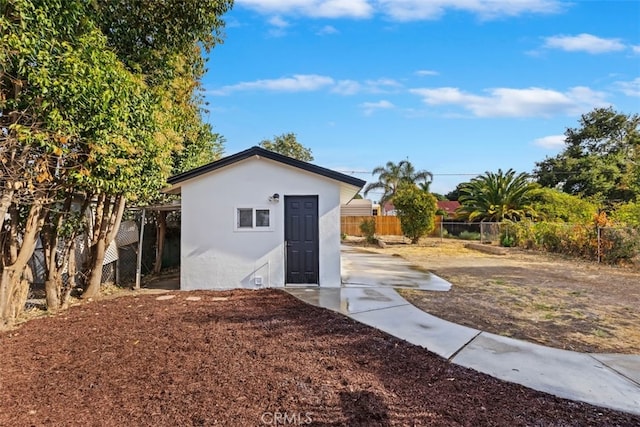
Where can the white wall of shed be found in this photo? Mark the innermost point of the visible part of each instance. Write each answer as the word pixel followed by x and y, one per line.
pixel 215 256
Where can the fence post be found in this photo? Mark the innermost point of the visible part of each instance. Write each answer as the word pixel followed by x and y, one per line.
pixel 139 259
pixel 599 244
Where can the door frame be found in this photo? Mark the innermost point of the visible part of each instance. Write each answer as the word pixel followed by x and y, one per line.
pixel 285 244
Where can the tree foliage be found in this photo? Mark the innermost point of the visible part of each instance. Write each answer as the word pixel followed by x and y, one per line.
pixel 454 195
pixel 91 117
pixel 147 34
pixel 496 197
pixel 287 144
pixel 550 204
pixel 601 158
pixel 392 175
pixel 416 210
pixel 627 214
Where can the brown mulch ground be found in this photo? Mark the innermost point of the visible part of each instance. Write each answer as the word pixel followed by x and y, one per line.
pixel 258 358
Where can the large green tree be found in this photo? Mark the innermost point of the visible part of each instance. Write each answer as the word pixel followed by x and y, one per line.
pixel 287 144
pixel 496 197
pixel 392 175
pixel 89 119
pixel 601 158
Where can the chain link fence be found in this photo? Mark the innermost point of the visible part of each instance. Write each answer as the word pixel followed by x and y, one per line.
pixel 485 232
pixel 610 245
pixel 121 258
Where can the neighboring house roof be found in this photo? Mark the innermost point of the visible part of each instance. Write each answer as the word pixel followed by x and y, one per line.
pixel 448 206
pixel 176 180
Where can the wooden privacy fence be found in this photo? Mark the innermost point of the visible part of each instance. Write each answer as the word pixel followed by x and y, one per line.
pixel 385 225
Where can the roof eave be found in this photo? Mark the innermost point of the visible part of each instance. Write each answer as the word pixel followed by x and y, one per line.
pixel 176 180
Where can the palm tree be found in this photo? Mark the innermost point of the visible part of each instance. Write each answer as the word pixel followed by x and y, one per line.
pixel 392 175
pixel 496 197
pixel 419 177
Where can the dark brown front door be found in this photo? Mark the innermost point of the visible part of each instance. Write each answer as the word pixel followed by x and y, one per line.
pixel 301 238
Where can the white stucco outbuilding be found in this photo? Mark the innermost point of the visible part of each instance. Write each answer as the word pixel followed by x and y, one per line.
pixel 260 219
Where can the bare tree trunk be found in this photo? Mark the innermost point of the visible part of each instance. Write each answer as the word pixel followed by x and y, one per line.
pixel 11 283
pixel 5 202
pixel 56 260
pixel 98 247
pixel 71 271
pixel 161 232
pixel 20 293
pixel 109 224
pixel 101 205
pixel 51 288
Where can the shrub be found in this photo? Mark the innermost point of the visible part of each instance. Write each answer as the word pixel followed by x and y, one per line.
pixel 619 245
pixel 368 228
pixel 469 235
pixel 550 204
pixel 416 210
pixel 507 240
pixel 628 214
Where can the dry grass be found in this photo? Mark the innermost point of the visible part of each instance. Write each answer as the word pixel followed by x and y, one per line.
pixel 551 300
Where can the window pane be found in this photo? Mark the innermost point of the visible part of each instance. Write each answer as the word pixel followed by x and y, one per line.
pixel 245 218
pixel 262 217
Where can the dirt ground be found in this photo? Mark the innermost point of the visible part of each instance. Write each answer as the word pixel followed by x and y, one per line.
pixel 248 358
pixel 551 300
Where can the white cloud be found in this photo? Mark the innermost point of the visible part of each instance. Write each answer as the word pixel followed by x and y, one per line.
pixel 309 83
pixel 277 21
pixel 327 30
pixel 352 87
pixel 371 107
pixel 426 73
pixel 631 88
pixel 279 26
pixel 296 83
pixel 381 86
pixel 584 43
pixel 313 8
pixel 636 49
pixel 347 87
pixel 403 10
pixel 414 10
pixel 552 142
pixel 509 102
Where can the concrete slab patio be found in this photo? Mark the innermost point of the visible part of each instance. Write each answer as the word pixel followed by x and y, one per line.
pixel 367 295
pixel 362 268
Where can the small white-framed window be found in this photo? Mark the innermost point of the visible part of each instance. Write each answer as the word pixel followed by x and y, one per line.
pixel 253 219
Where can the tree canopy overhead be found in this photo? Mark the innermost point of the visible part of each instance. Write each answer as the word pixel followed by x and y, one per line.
pixel 145 34
pixel 287 144
pixel 601 158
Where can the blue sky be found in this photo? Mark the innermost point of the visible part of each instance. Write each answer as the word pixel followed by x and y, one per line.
pixel 459 87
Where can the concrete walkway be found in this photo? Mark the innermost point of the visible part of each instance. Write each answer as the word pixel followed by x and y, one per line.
pixel 368 296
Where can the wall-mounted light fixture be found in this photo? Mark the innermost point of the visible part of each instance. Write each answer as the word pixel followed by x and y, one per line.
pixel 275 198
